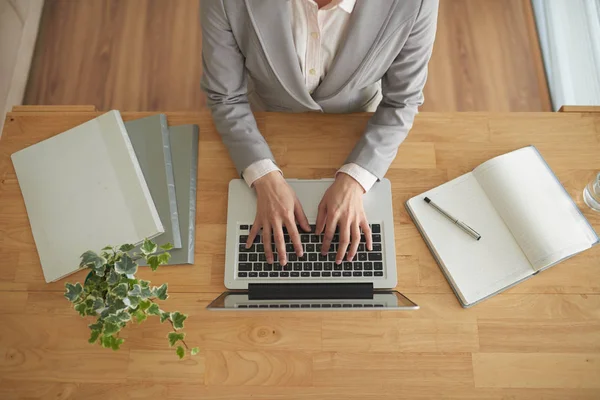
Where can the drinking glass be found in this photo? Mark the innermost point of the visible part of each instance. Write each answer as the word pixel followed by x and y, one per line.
pixel 591 193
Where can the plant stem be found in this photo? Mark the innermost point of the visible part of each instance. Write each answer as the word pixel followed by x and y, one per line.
pixel 182 341
pixel 173 325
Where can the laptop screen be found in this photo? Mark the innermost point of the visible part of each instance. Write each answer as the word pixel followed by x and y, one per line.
pixel 384 300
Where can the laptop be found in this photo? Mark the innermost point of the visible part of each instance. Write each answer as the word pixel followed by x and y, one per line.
pixel 313 281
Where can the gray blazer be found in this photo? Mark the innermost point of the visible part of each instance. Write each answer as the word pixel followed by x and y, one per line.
pixel 248 44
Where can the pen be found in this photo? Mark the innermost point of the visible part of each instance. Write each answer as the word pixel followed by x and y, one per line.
pixel 456 222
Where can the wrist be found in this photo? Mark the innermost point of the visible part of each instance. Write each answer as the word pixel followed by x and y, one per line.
pixel 267 180
pixel 348 181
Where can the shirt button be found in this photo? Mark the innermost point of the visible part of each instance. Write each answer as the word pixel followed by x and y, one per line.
pixel 312 71
pixel 314 35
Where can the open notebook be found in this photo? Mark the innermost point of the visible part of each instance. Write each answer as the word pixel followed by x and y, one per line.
pixel 526 219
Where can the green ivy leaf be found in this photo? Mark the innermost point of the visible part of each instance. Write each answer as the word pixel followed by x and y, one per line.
pixel 145 304
pixel 118 317
pixel 174 337
pixel 116 343
pixel 110 329
pixel 167 246
pixel 120 290
pixel 113 277
pixel 164 316
pixel 143 292
pixel 163 258
pixel 111 342
pixel 117 305
pixel 93 337
pixel 81 309
pixel 97 326
pixel 100 271
pixel 136 291
pixel 98 304
pixel 107 248
pixel 153 262
pixel 180 352
pixel 89 302
pixel 177 318
pixel 127 247
pixel 144 284
pixel 140 316
pixel 73 291
pixel 93 281
pixel 153 309
pixel 146 292
pixel 161 291
pixel 126 265
pixel 195 351
pixel 123 316
pixel 112 319
pixel 134 301
pixel 92 260
pixel 148 247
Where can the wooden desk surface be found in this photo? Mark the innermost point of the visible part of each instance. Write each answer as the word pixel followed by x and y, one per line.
pixel 540 339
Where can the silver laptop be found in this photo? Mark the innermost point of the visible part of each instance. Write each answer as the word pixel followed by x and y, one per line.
pixel 313 280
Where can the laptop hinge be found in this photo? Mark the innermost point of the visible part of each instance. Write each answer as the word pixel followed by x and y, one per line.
pixel 306 291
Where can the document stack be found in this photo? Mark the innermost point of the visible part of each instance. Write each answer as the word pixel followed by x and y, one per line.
pixel 107 182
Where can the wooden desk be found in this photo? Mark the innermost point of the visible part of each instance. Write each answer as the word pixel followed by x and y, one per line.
pixel 540 339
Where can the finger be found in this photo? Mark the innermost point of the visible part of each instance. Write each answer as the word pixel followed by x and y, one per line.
pixel 355 231
pixel 344 241
pixel 329 232
pixel 300 216
pixel 279 242
pixel 321 218
pixel 294 235
pixel 253 232
pixel 367 232
pixel 267 243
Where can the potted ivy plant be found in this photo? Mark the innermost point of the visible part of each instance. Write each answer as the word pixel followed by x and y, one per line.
pixel 112 293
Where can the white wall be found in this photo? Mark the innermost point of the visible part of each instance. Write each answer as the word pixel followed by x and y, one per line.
pixel 570 39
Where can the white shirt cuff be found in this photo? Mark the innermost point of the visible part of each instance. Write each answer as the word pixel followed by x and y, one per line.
pixel 258 169
pixel 362 176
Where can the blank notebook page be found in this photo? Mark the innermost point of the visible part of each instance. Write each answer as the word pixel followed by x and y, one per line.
pixel 83 190
pixel 477 268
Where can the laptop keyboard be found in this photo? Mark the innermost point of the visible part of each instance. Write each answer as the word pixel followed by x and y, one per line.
pixel 252 262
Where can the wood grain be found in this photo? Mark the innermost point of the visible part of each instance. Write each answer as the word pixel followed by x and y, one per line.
pixel 537 340
pixel 580 109
pixel 146 55
pixel 537 370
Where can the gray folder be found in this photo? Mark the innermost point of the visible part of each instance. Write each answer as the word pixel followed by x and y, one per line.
pixel 184 149
pixel 150 139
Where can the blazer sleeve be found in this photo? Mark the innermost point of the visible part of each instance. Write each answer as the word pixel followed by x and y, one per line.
pixel 402 91
pixel 224 81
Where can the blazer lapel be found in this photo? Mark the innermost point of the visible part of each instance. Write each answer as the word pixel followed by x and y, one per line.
pixel 367 23
pixel 271 22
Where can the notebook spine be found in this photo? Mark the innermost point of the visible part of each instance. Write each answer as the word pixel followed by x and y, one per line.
pixel 193 194
pixel 170 182
pixel 139 173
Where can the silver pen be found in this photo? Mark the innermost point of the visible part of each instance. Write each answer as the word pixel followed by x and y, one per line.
pixel 456 222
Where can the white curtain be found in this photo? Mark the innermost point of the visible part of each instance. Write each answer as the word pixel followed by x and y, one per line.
pixel 569 33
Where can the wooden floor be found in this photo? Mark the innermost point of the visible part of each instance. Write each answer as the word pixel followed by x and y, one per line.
pixel 145 55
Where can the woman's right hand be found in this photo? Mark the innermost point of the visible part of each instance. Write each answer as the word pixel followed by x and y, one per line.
pixel 277 207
